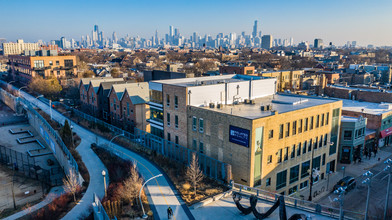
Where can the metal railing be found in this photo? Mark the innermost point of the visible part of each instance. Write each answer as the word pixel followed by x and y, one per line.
pixel 98 209
pixel 295 202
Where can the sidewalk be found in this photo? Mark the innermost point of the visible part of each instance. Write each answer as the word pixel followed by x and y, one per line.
pixel 53 194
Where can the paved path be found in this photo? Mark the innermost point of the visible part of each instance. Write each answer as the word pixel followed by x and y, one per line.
pixel 54 193
pixel 160 193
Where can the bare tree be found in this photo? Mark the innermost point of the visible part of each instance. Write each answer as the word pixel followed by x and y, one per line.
pixel 193 172
pixel 132 185
pixel 71 183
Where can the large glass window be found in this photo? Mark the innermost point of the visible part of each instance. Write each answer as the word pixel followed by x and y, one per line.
pixel 305 169
pixel 68 63
pixel 156 96
pixel 156 114
pixel 39 64
pixel 347 135
pixel 294 174
pixel 281 179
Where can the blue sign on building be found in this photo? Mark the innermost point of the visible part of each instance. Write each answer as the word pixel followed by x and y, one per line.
pixel 239 136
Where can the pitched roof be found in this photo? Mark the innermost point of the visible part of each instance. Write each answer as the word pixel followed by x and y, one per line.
pixel 86 81
pixel 95 83
pixel 137 92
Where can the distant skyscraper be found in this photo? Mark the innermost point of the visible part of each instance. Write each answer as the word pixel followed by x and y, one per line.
pixel 266 41
pixel 171 31
pixel 95 33
pixel 176 32
pixel 254 33
pixel 156 37
pixel 318 43
pixel 114 37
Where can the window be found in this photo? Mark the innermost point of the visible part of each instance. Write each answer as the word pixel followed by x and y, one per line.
pixel 286 153
pixel 268 182
pixel 168 137
pixel 168 119
pixel 315 143
pixel 304 147
pixel 322 120
pixel 323 163
pixel 51 63
pixel 128 108
pixel 336 112
pixel 287 129
pixel 305 169
pixel 279 155
pixel 269 159
pixel 293 190
pixel 68 63
pixel 325 139
pixel 303 185
pixel 299 149
pixel 201 147
pixel 311 123
pixel 316 162
pixel 176 121
pixel 294 127
pixel 327 119
pixel 201 125
pixel 176 139
pixel 194 121
pixel 280 131
pixel 175 101
pixel 293 151
pixel 168 100
pixel 300 126
pixel 194 144
pixel 347 135
pixel 317 121
pixel 294 174
pixel 271 134
pixel 310 145
pixel 281 179
pixel 39 64
pixel 321 141
pixel 306 124
pixel 57 63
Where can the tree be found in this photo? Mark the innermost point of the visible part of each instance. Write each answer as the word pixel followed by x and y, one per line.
pixel 193 172
pixel 66 134
pixel 88 74
pixel 71 183
pixel 47 87
pixel 115 72
pixel 132 185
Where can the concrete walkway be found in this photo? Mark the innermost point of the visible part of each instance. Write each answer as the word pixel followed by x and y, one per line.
pixel 160 193
pixel 53 194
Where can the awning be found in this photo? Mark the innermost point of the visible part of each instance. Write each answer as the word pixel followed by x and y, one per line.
pixel 386 132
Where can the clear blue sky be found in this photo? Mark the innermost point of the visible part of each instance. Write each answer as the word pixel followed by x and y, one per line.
pixel 366 21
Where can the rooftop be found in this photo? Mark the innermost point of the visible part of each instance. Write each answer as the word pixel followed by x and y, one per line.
pixel 207 80
pixel 281 103
pixel 349 119
pixel 366 107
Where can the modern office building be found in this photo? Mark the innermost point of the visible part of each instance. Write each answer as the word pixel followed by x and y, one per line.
pixel 318 43
pixel 266 42
pixel 42 63
pixel 169 99
pixel 271 142
pixel 18 48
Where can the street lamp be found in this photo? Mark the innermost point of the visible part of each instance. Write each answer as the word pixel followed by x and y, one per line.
pixel 367 181
pixel 140 193
pixel 387 168
pixel 340 191
pixel 104 180
pixel 20 89
pixel 110 143
pixel 36 103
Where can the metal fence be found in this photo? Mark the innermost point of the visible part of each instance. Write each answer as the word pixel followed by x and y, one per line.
pixel 26 165
pixel 211 167
pixel 296 203
pixel 98 209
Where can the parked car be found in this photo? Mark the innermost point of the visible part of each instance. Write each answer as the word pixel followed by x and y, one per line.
pixel 348 183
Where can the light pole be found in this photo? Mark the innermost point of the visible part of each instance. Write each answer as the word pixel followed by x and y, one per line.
pixel 104 180
pixel 367 181
pixel 344 171
pixel 387 168
pixel 110 143
pixel 20 89
pixel 140 193
pixel 340 191
pixel 36 103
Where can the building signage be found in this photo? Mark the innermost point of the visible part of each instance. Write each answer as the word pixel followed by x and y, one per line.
pixel 239 136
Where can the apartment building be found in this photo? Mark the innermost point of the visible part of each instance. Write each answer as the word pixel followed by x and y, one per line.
pixel 169 99
pixel 18 48
pixel 286 80
pixel 128 105
pixel 237 69
pixel 272 142
pixel 42 63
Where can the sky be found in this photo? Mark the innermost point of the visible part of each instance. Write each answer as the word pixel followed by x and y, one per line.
pixel 336 21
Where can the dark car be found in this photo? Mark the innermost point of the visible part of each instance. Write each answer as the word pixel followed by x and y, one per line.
pixel 348 183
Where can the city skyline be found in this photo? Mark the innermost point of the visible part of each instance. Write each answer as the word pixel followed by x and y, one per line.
pixel 312 20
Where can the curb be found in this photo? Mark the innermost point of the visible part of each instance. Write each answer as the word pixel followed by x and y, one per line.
pixel 212 199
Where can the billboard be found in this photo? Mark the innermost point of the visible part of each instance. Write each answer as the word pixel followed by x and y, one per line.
pixel 239 136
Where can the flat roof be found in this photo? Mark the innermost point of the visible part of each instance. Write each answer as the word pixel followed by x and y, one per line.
pixel 207 80
pixel 366 107
pixel 280 102
pixel 370 89
pixel 349 119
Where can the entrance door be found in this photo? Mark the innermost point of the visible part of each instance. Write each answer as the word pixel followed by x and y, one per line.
pixel 346 154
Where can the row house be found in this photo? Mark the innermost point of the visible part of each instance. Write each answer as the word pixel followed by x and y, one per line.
pixel 128 106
